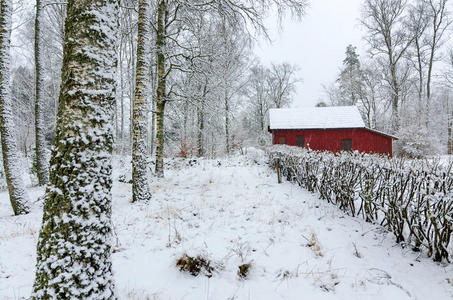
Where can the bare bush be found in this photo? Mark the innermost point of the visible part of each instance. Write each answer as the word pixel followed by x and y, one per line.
pixel 411 198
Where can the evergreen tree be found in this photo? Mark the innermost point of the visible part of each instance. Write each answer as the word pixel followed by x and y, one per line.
pixel 74 246
pixel 140 188
pixel 16 188
pixel 350 79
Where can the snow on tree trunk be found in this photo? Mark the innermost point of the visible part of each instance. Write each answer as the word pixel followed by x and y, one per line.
pixel 160 107
pixel 40 130
pixel 152 135
pixel 75 241
pixel 16 188
pixel 161 88
pixel 140 188
pixel 395 101
pixel 227 125
pixel 200 136
pixel 450 133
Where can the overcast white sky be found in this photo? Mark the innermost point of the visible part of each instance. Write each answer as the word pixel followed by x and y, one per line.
pixel 317 44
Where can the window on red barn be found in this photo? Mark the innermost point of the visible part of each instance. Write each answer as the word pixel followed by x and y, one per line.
pixel 300 141
pixel 346 145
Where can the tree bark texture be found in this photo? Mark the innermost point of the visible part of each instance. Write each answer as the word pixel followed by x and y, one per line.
pixel 75 240
pixel 11 162
pixel 40 126
pixel 140 187
pixel 161 87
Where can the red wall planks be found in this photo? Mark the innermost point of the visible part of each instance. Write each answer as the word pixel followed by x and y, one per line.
pixel 363 140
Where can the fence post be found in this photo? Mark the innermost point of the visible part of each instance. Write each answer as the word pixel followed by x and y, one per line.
pixel 277 166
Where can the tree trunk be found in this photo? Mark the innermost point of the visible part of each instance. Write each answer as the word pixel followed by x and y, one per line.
pixel 16 188
pixel 200 136
pixel 161 88
pixel 200 117
pixel 449 128
pixel 132 89
pixel 75 240
pixel 153 126
pixel 160 108
pixel 450 137
pixel 185 121
pixel 40 128
pixel 430 68
pixel 428 87
pixel 374 113
pixel 122 94
pixel 395 100
pixel 420 80
pixel 227 125
pixel 261 119
pixel 153 105
pixel 140 187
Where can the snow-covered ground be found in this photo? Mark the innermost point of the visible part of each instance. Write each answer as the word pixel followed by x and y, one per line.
pixel 233 212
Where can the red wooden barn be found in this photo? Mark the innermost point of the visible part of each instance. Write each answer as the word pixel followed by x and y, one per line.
pixel 335 129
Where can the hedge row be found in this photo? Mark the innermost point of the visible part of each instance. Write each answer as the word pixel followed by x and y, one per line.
pixel 411 198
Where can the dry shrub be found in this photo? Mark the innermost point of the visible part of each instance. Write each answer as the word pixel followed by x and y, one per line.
pixel 314 245
pixel 195 265
pixel 186 150
pixel 244 270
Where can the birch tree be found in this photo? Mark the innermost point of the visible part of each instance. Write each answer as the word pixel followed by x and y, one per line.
pixel 440 22
pixel 127 54
pixel 449 127
pixel 389 39
pixel 140 188
pixel 370 94
pixel 74 245
pixel 162 74
pixel 173 21
pixel 449 105
pixel 16 188
pixel 417 25
pixel 258 95
pixel 40 130
pixel 282 82
pixel 269 88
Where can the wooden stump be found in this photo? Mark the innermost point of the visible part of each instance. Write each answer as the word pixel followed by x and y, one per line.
pixel 277 166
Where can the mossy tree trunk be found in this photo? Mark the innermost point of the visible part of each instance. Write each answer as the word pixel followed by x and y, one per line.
pixel 40 128
pixel 11 162
pixel 75 241
pixel 160 109
pixel 161 86
pixel 140 187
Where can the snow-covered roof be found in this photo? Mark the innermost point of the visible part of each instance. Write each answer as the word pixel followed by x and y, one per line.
pixel 316 118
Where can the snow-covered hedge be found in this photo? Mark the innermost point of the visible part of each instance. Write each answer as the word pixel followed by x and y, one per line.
pixel 411 198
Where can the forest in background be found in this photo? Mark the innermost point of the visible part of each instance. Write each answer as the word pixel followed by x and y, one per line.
pixel 216 92
pixel 403 84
